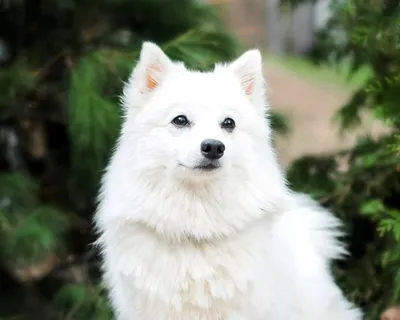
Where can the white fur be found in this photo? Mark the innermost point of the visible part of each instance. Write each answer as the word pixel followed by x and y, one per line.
pixel 232 244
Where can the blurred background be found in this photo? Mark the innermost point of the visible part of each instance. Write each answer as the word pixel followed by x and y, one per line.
pixel 333 72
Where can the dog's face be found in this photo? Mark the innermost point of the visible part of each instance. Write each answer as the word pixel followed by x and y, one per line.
pixel 193 125
pixel 194 158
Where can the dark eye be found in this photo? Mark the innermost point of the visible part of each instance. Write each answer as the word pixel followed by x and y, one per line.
pixel 228 124
pixel 180 121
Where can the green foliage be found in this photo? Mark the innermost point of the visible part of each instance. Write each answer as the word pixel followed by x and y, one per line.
pixel 362 185
pixel 365 197
pixel 93 115
pixel 82 301
pixel 27 227
pixel 10 82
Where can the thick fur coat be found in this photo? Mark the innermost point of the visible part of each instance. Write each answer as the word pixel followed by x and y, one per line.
pixel 187 235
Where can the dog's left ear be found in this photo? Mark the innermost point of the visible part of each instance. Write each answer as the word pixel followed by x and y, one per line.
pixel 248 70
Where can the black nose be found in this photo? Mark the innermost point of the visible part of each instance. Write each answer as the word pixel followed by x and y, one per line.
pixel 212 149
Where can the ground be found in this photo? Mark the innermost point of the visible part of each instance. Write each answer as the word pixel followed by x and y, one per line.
pixel 309 98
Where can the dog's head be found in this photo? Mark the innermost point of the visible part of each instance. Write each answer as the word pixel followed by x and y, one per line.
pixel 194 125
pixel 194 159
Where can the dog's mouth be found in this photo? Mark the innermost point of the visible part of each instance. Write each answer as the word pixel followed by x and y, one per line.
pixel 207 166
pixel 204 166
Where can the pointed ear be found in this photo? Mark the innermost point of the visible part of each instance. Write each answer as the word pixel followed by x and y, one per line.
pixel 152 67
pixel 248 70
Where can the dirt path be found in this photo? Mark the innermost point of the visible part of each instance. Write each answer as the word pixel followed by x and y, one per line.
pixel 310 107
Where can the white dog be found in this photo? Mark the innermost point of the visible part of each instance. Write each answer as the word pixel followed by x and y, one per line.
pixel 195 218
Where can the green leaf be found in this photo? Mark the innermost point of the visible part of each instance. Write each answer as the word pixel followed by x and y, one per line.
pixel 372 207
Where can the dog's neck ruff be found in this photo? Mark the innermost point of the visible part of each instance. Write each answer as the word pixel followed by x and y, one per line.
pixel 189 239
pixel 195 212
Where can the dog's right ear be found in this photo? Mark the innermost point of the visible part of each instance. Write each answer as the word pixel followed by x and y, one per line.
pixel 152 67
pixel 147 76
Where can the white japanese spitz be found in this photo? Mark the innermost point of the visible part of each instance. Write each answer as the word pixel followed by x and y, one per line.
pixel 195 218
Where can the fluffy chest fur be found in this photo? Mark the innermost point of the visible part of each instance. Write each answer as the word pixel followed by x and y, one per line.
pixel 182 281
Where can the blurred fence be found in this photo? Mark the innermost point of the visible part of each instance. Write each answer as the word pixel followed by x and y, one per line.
pixel 262 23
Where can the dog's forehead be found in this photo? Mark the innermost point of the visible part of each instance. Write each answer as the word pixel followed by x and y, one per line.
pixel 206 88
